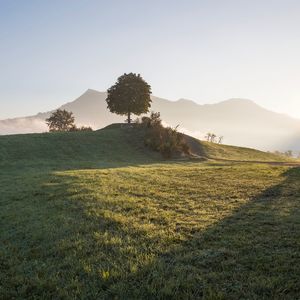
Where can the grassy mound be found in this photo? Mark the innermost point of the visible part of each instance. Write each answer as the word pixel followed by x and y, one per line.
pixel 107 147
pixel 112 145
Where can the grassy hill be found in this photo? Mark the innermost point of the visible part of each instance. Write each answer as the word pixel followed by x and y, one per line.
pixel 109 146
pixel 95 215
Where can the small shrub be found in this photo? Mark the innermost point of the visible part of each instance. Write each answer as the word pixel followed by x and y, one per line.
pixel 82 128
pixel 152 121
pixel 168 141
pixel 85 128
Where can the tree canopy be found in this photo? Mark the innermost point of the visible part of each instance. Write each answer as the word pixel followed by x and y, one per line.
pixel 61 120
pixel 129 95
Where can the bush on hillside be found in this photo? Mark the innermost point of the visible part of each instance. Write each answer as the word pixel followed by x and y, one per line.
pixel 168 141
pixel 153 121
pixel 82 128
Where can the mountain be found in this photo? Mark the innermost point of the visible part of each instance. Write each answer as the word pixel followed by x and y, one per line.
pixel 242 122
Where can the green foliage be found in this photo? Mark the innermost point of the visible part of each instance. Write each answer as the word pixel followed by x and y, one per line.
pixel 129 95
pixel 153 121
pixel 61 120
pixel 168 141
pixel 82 128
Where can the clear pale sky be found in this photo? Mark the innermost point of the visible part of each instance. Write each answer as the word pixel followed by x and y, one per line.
pixel 207 51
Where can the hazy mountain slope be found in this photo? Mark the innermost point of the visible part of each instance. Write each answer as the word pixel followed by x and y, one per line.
pixel 240 121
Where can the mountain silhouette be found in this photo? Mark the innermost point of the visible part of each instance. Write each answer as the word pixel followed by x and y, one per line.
pixel 241 121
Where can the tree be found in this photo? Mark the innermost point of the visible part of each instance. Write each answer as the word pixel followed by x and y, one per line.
pixel 61 120
pixel 221 139
pixel 213 137
pixel 129 95
pixel 208 136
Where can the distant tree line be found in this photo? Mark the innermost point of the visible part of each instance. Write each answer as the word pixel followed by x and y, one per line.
pixel 213 138
pixel 288 153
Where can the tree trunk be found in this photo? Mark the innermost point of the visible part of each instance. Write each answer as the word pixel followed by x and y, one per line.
pixel 129 120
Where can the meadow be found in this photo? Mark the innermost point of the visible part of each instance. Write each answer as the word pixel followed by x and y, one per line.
pixel 98 216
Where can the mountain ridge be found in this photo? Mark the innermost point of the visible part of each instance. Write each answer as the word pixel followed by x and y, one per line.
pixel 241 121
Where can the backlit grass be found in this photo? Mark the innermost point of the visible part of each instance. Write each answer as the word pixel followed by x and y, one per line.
pixel 97 216
pixel 181 230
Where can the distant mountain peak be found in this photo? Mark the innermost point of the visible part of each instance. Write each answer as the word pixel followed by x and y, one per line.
pixel 88 95
pixel 238 101
pixel 183 100
pixel 92 91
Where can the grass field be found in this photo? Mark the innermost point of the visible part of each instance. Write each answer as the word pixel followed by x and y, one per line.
pixel 96 216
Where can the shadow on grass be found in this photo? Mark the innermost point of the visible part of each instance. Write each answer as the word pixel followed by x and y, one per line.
pixel 81 249
pixel 252 254
pixel 196 148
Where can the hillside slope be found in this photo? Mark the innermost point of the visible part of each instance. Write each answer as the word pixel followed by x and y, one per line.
pixel 240 121
pixel 94 215
pixel 107 147
pixel 226 152
pixel 111 146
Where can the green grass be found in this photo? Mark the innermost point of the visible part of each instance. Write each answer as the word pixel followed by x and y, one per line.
pixel 110 146
pixel 226 152
pixel 96 216
pixel 101 148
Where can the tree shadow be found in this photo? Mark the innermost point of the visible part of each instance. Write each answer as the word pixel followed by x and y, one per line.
pixel 252 254
pixel 196 147
pixel 81 249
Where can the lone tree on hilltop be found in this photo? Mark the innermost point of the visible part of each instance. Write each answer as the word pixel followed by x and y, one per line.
pixel 129 95
pixel 61 120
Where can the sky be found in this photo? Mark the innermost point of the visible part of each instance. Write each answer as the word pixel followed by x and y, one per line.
pixel 204 50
